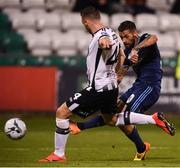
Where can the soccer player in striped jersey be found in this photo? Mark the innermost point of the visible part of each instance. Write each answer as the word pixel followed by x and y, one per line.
pixel 103 53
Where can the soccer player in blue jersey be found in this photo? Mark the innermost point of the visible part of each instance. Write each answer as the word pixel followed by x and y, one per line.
pixel 144 92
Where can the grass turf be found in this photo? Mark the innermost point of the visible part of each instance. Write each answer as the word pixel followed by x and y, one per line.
pixel 105 146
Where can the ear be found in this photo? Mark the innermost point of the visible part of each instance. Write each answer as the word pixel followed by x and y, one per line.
pixel 136 38
pixel 85 19
pixel 135 34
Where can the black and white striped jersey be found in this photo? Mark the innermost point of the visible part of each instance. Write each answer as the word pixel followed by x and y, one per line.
pixel 101 63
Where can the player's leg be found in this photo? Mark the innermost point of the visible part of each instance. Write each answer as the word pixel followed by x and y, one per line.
pixel 130 96
pixel 97 121
pixel 82 100
pixel 62 129
pixel 77 127
pixel 144 105
pixel 109 107
pixel 130 130
pixel 61 134
pixel 127 118
pixel 142 98
pixel 132 133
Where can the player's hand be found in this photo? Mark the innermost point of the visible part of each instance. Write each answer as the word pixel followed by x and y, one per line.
pixel 119 79
pixel 105 43
pixel 134 56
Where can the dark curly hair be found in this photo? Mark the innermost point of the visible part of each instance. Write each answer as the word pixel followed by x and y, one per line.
pixel 127 25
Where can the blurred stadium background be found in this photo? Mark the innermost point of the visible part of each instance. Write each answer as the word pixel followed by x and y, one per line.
pixel 43 47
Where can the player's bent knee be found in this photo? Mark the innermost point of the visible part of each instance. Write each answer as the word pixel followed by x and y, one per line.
pixel 110 120
pixel 114 120
pixel 63 112
pixel 127 129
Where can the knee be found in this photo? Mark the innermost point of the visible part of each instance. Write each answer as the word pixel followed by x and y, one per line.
pixel 111 121
pixel 107 122
pixel 127 129
pixel 114 119
pixel 63 112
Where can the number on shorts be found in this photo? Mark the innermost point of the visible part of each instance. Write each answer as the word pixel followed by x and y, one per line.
pixel 76 96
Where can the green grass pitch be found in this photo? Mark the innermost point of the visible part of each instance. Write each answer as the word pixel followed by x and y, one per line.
pixel 99 147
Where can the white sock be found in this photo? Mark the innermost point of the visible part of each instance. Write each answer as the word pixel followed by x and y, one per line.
pixel 61 139
pixel 135 118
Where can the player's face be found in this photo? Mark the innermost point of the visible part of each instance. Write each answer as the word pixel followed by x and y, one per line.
pixel 128 38
pixel 86 25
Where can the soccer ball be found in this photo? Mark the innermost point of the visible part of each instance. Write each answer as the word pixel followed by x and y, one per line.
pixel 15 128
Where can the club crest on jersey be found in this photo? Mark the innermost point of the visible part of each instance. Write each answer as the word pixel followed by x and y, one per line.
pixel 104 34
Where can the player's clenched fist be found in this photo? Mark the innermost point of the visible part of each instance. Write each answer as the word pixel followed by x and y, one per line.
pixel 134 56
pixel 105 43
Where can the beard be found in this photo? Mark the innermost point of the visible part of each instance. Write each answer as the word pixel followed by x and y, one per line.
pixel 130 45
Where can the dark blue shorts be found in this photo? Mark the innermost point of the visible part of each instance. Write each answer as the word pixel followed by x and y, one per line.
pixel 141 97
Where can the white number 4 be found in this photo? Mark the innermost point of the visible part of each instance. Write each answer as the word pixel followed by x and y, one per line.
pixel 76 96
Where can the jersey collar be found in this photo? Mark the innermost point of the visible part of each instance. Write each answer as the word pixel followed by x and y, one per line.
pixel 99 30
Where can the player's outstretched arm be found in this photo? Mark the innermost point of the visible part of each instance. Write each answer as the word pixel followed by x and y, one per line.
pixel 148 41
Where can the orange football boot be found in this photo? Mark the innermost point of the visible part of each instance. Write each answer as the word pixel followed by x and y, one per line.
pixel 161 122
pixel 53 158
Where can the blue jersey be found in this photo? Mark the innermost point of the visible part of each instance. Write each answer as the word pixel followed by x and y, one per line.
pixel 146 89
pixel 148 70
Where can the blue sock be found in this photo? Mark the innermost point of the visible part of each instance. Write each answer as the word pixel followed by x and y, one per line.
pixel 134 136
pixel 92 123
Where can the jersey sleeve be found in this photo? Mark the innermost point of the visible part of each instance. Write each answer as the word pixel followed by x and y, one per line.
pixel 147 54
pixel 144 36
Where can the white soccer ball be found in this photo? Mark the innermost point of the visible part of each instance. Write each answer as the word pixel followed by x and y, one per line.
pixel 15 128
